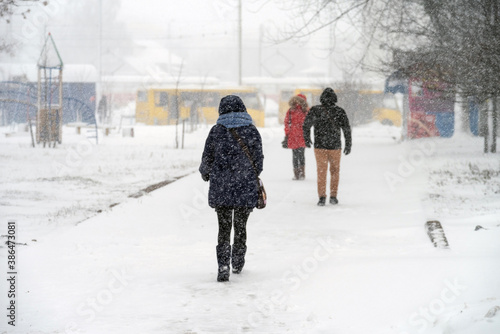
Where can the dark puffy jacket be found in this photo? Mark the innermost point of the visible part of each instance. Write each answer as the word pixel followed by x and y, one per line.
pixel 233 182
pixel 327 119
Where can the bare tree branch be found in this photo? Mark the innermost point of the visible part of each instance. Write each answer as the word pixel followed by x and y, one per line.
pixel 314 23
pixel 9 8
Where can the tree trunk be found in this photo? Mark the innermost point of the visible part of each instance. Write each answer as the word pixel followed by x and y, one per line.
pixel 494 126
pixel 465 117
pixel 485 124
pixel 461 114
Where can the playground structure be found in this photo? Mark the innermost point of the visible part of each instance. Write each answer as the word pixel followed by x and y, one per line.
pixel 35 94
pixel 50 94
pixel 18 105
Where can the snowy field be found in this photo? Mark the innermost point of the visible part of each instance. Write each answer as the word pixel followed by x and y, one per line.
pixel 92 259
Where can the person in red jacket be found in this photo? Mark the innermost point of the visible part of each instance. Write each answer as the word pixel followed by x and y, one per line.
pixel 294 121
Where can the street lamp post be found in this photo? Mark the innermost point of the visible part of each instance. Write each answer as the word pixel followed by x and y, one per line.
pixel 239 43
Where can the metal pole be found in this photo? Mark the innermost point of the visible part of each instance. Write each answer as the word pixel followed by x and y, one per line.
pixel 49 113
pixel 261 33
pixel 330 51
pixel 45 104
pixel 99 93
pixel 239 43
pixel 406 115
pixel 183 128
pixel 29 120
pixel 38 121
pixel 60 103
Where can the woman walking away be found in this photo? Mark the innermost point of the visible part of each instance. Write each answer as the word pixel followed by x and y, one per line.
pixel 328 119
pixel 233 190
pixel 294 119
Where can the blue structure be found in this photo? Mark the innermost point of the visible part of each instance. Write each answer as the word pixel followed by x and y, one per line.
pixel 18 99
pixel 397 82
pixel 445 123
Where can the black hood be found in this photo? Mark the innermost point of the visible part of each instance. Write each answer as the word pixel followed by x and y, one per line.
pixel 231 103
pixel 328 97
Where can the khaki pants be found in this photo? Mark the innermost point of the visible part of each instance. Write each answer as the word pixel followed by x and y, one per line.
pixel 323 158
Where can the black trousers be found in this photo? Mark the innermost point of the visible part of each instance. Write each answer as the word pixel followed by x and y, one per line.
pixel 298 156
pixel 226 221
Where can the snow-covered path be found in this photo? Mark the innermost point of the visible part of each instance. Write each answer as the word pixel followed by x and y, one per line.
pixel 364 266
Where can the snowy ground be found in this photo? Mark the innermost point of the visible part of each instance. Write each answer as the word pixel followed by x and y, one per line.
pixel 148 264
pixel 48 188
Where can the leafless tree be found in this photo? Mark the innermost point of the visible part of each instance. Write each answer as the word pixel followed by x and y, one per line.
pixel 462 35
pixel 457 40
pixel 9 8
pixel 463 43
pixel 19 7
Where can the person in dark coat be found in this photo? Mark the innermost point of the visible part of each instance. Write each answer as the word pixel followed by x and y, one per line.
pixel 328 119
pixel 294 120
pixel 233 188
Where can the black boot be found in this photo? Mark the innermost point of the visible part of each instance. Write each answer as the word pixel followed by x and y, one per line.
pixel 238 259
pixel 302 172
pixel 322 201
pixel 223 259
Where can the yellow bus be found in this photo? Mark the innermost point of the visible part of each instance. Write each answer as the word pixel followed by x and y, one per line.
pixel 162 106
pixel 390 111
pixel 358 104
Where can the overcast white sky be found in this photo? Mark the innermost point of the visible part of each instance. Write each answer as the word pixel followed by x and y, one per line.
pixel 202 32
pixel 199 29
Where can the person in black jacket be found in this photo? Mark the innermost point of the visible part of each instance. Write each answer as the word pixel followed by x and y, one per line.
pixel 328 119
pixel 233 183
